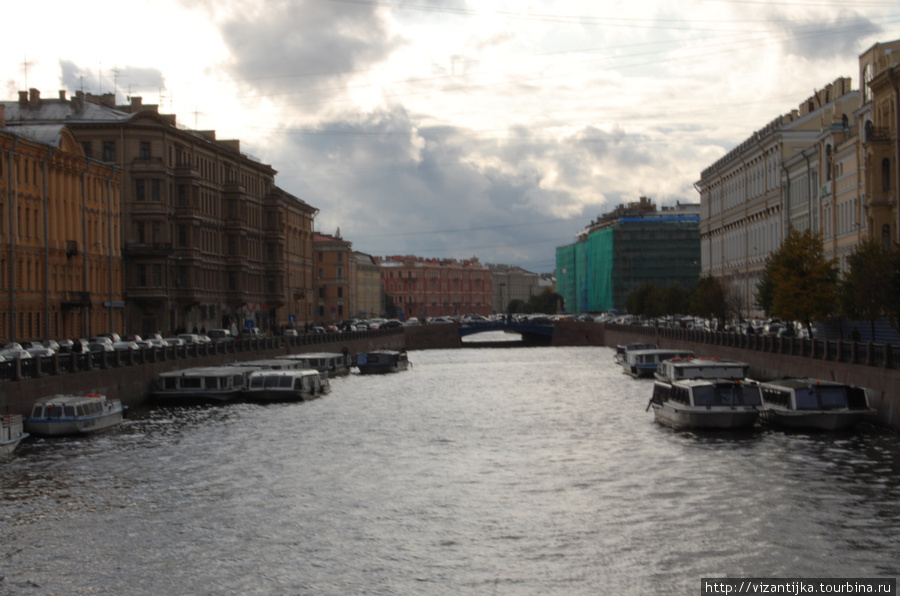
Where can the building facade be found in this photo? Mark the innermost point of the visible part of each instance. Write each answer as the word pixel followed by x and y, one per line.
pixel 512 283
pixel 335 278
pixel 369 288
pixel 424 288
pixel 208 239
pixel 619 252
pixel 830 166
pixel 60 258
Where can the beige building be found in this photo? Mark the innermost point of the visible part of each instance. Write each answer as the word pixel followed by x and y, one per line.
pixel 335 278
pixel 800 172
pixel 208 239
pixel 369 287
pixel 512 283
pixel 423 287
pixel 60 259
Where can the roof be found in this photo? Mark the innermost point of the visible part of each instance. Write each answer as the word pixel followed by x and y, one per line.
pixel 45 134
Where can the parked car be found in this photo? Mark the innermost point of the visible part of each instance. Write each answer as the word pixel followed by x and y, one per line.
pixel 251 333
pixel 174 341
pixel 100 346
pixel 191 339
pixel 126 345
pixel 13 353
pixel 40 351
pixel 291 333
pixel 220 336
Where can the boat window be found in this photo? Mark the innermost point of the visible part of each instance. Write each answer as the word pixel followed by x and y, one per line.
pixel 705 395
pixel 298 384
pixel 832 398
pixel 80 410
pixel 211 382
pixel 285 381
pixel 191 382
pixel 856 398
pixel 257 382
pixel 806 398
pixel 38 412
pixel 54 411
pixel 751 395
pixel 170 383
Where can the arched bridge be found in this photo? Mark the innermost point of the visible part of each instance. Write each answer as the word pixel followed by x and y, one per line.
pixel 541 330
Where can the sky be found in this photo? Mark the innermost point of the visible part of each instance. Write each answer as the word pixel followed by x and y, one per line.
pixel 452 128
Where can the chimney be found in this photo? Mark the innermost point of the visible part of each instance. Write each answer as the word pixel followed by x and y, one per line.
pixel 34 102
pixel 62 95
pixel 23 98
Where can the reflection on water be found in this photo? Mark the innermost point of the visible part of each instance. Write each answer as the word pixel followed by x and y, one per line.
pixel 479 471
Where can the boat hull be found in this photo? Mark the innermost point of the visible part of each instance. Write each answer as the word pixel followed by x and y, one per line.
pixel 681 416
pixel 193 398
pixel 73 426
pixel 813 420
pixel 381 369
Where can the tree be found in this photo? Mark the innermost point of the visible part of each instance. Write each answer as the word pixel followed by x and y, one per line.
pixel 709 300
pixel 865 291
pixel 547 302
pixel 641 301
pixel 800 281
pixel 516 305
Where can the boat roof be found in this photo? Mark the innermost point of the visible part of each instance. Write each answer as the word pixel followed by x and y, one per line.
pixel 800 382
pixel 706 361
pixel 289 372
pixel 205 371
pixel 307 355
pixel 69 398
pixel 661 351
pixel 709 381
pixel 264 363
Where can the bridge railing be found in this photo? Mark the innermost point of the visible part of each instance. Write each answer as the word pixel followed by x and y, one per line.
pixel 67 364
pixel 851 352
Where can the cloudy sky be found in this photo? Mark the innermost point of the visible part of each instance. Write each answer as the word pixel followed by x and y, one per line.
pixel 455 128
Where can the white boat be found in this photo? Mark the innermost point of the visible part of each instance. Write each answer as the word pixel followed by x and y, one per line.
pixel 706 403
pixel 209 384
pixel 623 349
pixel 74 414
pixel 643 363
pixel 333 363
pixel 286 385
pixel 814 404
pixel 381 361
pixel 677 369
pixel 271 364
pixel 12 431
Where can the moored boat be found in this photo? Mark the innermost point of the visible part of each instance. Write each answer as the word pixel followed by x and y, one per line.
pixel 73 414
pixel 814 404
pixel 706 403
pixel 12 431
pixel 677 369
pixel 381 361
pixel 286 385
pixel 623 349
pixel 201 385
pixel 643 363
pixel 333 363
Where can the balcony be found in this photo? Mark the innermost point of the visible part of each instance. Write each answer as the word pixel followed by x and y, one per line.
pixel 71 248
pixel 147 249
pixel 76 300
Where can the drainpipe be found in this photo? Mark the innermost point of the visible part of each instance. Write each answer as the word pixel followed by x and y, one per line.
pixel 45 177
pixel 85 308
pixel 109 234
pixel 13 335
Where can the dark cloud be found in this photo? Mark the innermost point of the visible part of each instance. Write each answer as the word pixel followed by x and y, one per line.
pixel 125 80
pixel 821 40
pixel 303 52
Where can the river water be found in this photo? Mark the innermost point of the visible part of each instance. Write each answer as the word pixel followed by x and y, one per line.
pixel 479 471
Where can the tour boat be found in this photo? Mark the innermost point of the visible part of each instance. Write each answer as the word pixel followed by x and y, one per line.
pixel 210 384
pixel 74 414
pixel 381 361
pixel 623 349
pixel 677 369
pixel 11 433
pixel 706 403
pixel 333 363
pixel 814 404
pixel 286 385
pixel 643 363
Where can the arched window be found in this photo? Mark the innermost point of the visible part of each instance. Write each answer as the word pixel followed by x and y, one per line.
pixel 886 236
pixel 885 174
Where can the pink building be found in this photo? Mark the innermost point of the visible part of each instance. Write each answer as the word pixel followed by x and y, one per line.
pixel 424 288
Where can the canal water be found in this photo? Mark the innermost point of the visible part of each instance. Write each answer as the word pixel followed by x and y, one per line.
pixel 479 471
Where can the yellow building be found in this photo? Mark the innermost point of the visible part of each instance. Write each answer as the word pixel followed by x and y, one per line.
pixel 335 278
pixel 369 287
pixel 60 259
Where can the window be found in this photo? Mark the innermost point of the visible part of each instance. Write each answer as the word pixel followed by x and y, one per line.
pixel 86 147
pixel 271 284
pixel 109 151
pixel 232 280
pixel 157 231
pixel 141 235
pixel 885 174
pixel 232 244
pixel 182 235
pixel 183 194
pixel 154 190
pixel 157 276
pixel 270 252
pixel 141 275
pixel 144 151
pixel 340 292
pixel 181 280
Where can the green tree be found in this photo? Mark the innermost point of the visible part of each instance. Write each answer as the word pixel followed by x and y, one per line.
pixel 802 282
pixel 709 299
pixel 865 291
pixel 547 302
pixel 516 305
pixel 640 301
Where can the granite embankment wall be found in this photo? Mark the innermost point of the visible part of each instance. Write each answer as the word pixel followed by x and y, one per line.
pixel 132 383
pixel 865 365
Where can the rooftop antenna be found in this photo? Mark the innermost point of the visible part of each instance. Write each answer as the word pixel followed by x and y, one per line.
pixel 115 71
pixel 196 113
pixel 25 65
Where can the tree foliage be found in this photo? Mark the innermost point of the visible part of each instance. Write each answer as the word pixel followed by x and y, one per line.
pixel 798 283
pixel 865 291
pixel 709 299
pixel 547 302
